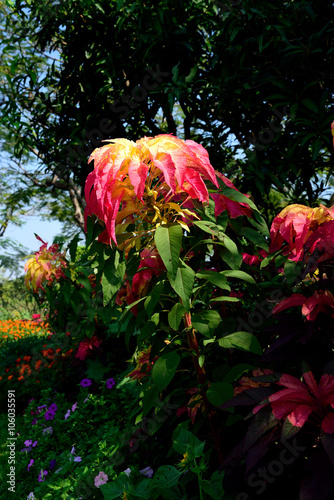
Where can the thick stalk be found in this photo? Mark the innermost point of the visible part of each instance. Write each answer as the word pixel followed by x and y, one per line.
pixel 202 379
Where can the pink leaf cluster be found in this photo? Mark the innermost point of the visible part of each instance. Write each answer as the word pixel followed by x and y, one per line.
pixel 150 265
pixel 321 301
pixel 297 225
pixel 45 265
pixel 131 178
pixel 298 400
pixel 124 172
pixel 87 347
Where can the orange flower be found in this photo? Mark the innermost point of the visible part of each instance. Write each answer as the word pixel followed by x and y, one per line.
pixel 27 358
pixel 10 377
pixel 20 378
pixel 48 353
pixel 38 364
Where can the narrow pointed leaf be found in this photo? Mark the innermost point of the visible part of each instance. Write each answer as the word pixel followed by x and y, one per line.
pixel 168 240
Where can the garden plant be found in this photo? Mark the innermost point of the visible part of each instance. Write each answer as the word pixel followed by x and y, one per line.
pixel 187 349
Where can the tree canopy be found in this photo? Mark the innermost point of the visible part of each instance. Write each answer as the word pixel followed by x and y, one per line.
pixel 251 81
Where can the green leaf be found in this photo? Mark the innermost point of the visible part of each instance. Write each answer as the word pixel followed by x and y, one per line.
pixel 165 477
pixel 186 442
pixel 112 276
pixel 239 274
pixel 150 399
pixel 225 298
pixel 168 240
pixel 96 369
pixel 175 316
pixel 217 279
pixel 241 340
pixel 219 392
pixel 255 237
pixel 164 369
pixel 183 283
pixel 292 272
pixel 238 370
pixel 206 322
pixel 153 298
pixel 214 487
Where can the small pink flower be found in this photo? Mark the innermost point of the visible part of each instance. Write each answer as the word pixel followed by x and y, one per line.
pixel 100 479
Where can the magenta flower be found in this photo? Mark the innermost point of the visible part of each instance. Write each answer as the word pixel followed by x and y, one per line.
pixel 110 383
pixel 28 442
pixel 74 407
pixel 100 479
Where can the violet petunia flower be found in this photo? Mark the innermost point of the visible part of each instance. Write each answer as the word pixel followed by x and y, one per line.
pixel 30 463
pixel 86 382
pixel 148 472
pixel 110 383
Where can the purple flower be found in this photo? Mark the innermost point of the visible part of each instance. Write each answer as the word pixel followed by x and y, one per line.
pixel 34 422
pixel 53 407
pixel 127 471
pixel 34 444
pixel 74 407
pixel 148 472
pixel 30 463
pixel 41 475
pixel 67 414
pixel 77 459
pixel 110 383
pixel 73 450
pixel 85 382
pixel 52 464
pixel 39 409
pixel 49 415
pixel 47 430
pixel 28 442
pixel 31 496
pixel 100 479
pixel 26 449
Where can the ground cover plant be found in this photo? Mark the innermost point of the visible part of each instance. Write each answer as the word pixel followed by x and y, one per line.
pixel 192 346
